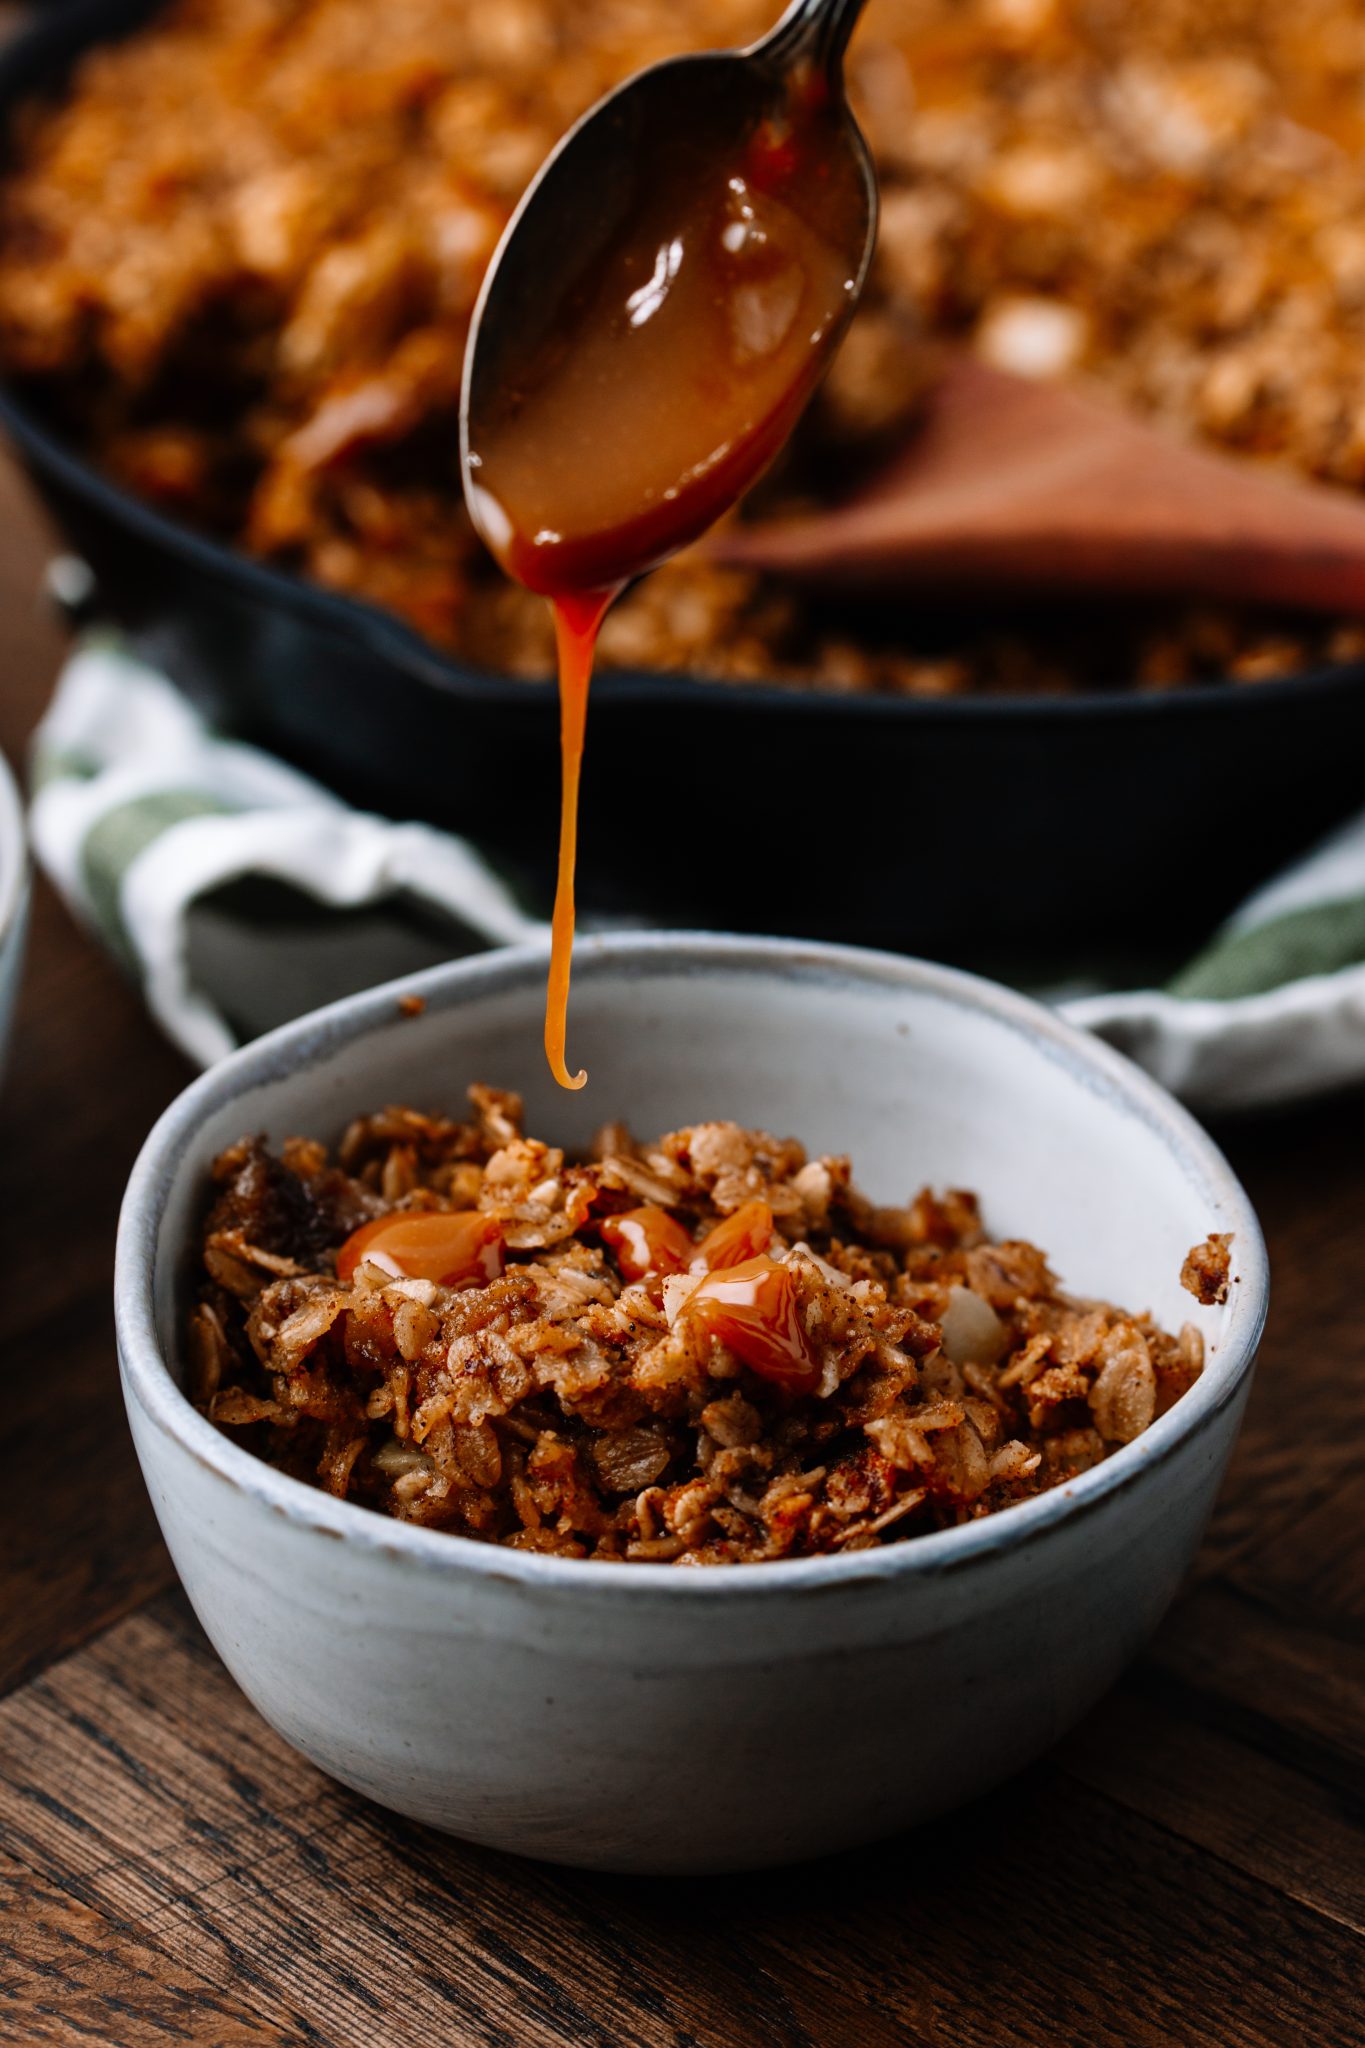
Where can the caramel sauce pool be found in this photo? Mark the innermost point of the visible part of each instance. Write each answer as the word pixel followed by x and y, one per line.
pixel 657 386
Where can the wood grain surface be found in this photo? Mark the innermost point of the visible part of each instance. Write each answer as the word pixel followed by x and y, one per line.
pixel 1188 1869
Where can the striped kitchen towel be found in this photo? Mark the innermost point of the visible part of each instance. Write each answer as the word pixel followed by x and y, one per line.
pixel 242 893
pixel 206 866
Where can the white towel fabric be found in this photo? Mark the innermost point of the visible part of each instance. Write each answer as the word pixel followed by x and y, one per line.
pixel 140 814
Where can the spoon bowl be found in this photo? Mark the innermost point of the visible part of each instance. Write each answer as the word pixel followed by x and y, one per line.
pixel 663 304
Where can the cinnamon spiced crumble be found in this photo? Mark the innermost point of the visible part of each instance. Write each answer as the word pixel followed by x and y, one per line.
pixel 239 258
pixel 708 1349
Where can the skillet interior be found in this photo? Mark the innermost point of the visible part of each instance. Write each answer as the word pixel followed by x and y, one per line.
pixel 1023 833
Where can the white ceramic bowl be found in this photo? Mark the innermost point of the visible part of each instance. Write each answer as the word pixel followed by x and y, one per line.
pixel 641 1717
pixel 13 900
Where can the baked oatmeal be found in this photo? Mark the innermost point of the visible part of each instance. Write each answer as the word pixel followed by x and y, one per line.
pixel 705 1350
pixel 239 259
pixel 1206 1273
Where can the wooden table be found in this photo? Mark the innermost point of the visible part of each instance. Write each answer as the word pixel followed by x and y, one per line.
pixel 1188 1869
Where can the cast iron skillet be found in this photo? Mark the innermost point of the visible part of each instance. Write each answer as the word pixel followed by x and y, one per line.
pixel 982 828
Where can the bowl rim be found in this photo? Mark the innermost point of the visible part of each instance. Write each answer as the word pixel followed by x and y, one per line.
pixel 322 1035
pixel 13 852
pixel 48 42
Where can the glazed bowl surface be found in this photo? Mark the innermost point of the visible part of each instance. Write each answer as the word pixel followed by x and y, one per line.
pixel 14 893
pixel 642 1717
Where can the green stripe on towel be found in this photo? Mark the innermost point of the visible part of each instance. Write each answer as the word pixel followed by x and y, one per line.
pixel 1322 938
pixel 116 840
pixel 60 764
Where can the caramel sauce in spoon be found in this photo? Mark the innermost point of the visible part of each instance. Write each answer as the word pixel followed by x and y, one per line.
pixel 662 308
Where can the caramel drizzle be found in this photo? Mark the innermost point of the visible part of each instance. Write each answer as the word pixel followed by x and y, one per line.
pixel 578 621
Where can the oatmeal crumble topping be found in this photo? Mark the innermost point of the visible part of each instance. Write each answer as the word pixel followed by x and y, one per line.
pixel 1205 1273
pixel 241 259
pixel 704 1350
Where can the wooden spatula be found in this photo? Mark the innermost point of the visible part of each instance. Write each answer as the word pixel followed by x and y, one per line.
pixel 1012 485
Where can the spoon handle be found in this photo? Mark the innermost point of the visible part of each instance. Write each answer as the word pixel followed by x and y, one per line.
pixel 814 29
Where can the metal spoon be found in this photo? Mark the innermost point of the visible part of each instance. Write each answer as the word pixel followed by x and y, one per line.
pixel 627 375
